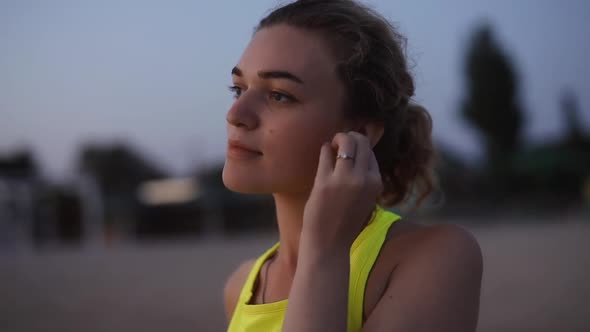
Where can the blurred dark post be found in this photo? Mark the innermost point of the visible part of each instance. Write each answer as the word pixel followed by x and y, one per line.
pixel 92 213
pixel 19 184
pixel 68 212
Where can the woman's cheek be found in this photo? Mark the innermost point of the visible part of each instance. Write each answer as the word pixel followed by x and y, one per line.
pixel 295 152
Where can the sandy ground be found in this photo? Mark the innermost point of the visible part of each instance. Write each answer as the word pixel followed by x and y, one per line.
pixel 537 278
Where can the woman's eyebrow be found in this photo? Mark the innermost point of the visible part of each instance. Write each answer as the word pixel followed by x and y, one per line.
pixel 271 74
pixel 279 74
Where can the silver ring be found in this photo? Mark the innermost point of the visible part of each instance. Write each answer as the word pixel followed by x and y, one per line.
pixel 344 156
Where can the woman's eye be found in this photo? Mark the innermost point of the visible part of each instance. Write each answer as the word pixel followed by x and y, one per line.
pixel 236 90
pixel 281 97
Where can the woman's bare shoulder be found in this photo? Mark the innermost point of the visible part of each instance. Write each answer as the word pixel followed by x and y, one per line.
pixel 409 239
pixel 449 241
pixel 234 284
pixel 412 246
pixel 434 273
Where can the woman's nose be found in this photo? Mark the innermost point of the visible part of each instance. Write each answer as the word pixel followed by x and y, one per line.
pixel 243 114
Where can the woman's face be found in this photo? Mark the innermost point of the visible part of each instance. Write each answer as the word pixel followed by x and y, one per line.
pixel 288 103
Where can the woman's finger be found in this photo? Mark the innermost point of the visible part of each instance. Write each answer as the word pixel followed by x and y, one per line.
pixel 373 164
pixel 363 152
pixel 345 145
pixel 326 161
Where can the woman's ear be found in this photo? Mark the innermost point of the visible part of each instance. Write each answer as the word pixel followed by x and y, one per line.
pixel 373 130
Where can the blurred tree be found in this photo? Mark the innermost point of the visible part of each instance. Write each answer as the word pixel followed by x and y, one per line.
pixel 458 190
pixel 491 105
pixel 571 111
pixel 559 168
pixel 236 212
pixel 118 171
pixel 19 164
pixel 117 168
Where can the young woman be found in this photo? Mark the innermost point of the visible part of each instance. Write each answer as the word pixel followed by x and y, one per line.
pixel 323 121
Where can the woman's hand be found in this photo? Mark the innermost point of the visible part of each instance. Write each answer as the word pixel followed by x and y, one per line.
pixel 343 195
pixel 340 203
pixel 445 270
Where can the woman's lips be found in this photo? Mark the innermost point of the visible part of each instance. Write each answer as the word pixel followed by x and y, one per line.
pixel 238 150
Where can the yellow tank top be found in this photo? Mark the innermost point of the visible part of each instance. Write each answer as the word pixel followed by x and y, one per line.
pixel 269 317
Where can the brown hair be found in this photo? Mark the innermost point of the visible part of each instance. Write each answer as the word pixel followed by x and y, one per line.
pixel 373 67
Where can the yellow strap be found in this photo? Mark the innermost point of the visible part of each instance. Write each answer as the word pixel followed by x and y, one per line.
pixel 246 293
pixel 363 254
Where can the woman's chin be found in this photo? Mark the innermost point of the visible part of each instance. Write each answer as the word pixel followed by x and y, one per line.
pixel 241 183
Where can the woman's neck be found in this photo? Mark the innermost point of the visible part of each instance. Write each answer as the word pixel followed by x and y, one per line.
pixel 289 209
